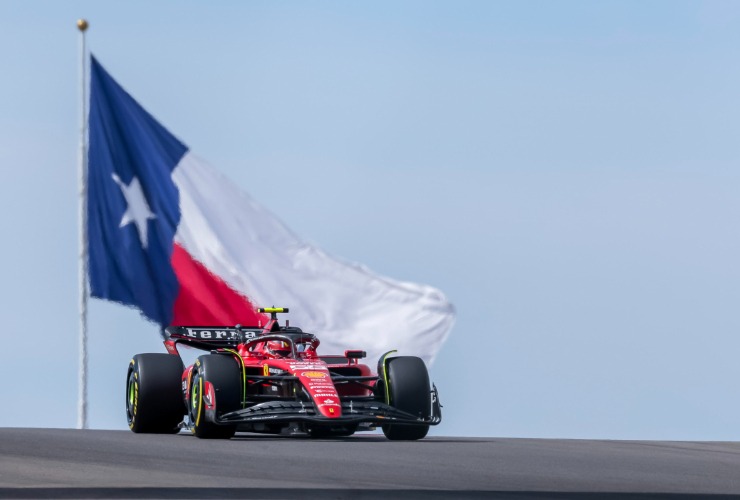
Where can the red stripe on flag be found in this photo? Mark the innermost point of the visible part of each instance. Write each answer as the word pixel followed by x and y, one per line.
pixel 205 299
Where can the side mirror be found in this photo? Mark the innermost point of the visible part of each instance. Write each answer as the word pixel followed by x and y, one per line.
pixel 354 354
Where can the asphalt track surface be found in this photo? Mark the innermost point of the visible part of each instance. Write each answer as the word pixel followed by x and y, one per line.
pixel 64 463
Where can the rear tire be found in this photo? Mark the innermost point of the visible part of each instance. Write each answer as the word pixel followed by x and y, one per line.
pixel 153 394
pixel 408 390
pixel 224 374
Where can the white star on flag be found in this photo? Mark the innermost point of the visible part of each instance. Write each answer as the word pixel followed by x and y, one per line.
pixel 138 209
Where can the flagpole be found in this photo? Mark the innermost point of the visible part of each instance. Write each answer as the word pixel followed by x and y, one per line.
pixel 82 172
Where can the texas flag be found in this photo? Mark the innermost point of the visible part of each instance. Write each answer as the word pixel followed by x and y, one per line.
pixel 174 238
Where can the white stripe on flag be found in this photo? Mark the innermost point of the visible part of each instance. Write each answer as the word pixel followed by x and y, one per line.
pixel 344 304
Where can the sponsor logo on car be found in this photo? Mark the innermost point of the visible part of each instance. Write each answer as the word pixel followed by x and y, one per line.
pixel 306 366
pixel 314 374
pixel 330 402
pixel 321 388
pixel 204 334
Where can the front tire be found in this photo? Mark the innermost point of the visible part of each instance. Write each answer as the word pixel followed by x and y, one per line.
pixel 408 390
pixel 153 394
pixel 224 373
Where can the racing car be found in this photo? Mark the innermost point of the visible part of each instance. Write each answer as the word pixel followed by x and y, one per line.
pixel 271 379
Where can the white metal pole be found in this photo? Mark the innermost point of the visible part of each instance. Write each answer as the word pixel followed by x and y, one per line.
pixel 82 171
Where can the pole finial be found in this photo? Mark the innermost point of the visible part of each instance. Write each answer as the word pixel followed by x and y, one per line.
pixel 82 24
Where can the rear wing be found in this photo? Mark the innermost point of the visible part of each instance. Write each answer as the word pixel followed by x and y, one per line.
pixel 210 337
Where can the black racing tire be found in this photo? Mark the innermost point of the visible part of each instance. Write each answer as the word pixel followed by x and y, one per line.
pixel 224 372
pixel 408 390
pixel 154 402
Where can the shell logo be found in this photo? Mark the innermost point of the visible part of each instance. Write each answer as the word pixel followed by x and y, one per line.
pixel 314 374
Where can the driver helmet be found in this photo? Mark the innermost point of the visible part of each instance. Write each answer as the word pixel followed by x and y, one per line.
pixel 278 348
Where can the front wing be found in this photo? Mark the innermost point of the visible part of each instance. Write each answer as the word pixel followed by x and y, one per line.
pixel 353 412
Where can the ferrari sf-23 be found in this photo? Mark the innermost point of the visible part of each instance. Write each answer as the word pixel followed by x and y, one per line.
pixel 271 379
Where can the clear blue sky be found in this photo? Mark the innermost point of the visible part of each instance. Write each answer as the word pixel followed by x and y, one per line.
pixel 566 172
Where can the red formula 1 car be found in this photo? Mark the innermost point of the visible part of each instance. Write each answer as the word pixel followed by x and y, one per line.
pixel 272 380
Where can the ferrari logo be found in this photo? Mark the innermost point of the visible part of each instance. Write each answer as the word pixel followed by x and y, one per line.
pixel 265 370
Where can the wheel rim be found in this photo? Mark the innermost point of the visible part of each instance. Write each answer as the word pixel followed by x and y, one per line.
pixel 196 395
pixel 131 394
